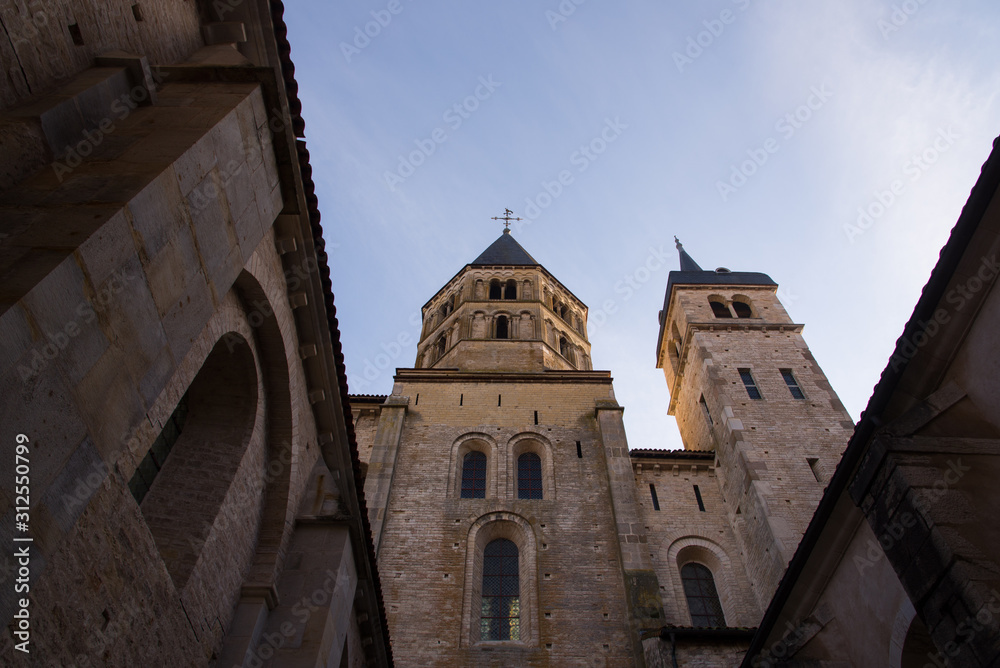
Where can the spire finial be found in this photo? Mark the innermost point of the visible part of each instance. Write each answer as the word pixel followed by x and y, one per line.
pixel 687 262
pixel 506 218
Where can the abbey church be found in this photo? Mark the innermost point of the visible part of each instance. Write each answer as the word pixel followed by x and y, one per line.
pixel 189 481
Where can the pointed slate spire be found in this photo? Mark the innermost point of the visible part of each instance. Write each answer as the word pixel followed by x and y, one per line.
pixel 687 263
pixel 505 250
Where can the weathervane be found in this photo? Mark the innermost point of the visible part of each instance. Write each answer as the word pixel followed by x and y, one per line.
pixel 506 218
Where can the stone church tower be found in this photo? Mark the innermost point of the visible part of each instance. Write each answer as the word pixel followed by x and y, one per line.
pixel 744 385
pixel 499 488
pixel 514 526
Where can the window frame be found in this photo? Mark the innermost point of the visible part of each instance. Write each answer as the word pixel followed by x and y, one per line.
pixel 714 598
pixel 746 373
pixel 527 487
pixel 518 530
pixel 468 457
pixel 793 384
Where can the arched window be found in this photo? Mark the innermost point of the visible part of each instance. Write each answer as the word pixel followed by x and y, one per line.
pixel 564 312
pixel 563 347
pixel 510 290
pixel 720 310
pixel 500 617
pixel 529 476
pixel 503 327
pixel 442 346
pixel 474 476
pixel 495 289
pixel 702 597
pixel 742 310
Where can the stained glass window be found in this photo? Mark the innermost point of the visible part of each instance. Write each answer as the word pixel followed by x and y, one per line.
pixel 474 476
pixel 529 476
pixel 702 597
pixel 501 604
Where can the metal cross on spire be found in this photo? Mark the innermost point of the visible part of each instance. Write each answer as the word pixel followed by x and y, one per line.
pixel 508 216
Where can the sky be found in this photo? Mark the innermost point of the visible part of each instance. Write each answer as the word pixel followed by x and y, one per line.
pixel 829 145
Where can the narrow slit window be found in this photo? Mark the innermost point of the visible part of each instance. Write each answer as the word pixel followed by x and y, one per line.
pixel 529 476
pixel 793 385
pixel 499 399
pixel 579 450
pixel 157 454
pixel 652 495
pixel 697 496
pixel 750 384
pixel 814 467
pixel 417 400
pixel 461 398
pixel 705 411
pixel 536 417
pixel 474 476
pixel 500 615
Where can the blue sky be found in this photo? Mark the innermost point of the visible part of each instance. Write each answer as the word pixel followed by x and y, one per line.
pixel 757 132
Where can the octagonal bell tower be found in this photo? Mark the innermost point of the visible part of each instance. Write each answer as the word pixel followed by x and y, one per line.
pixel 504 312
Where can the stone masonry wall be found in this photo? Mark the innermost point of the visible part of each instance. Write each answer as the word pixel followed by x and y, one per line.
pixel 581 611
pixel 768 484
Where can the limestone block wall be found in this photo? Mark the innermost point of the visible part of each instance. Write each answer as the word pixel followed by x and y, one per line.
pixel 47 41
pixel 680 531
pixel 125 275
pixel 574 598
pixel 775 454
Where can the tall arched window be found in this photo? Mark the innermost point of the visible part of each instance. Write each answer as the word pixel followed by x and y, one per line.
pixel 563 347
pixel 720 310
pixel 702 597
pixel 742 310
pixel 510 290
pixel 500 617
pixel 442 346
pixel 529 476
pixel 474 476
pixel 503 327
pixel 495 289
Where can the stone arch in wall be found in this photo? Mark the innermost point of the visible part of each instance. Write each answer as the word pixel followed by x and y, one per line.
pixel 719 306
pixel 539 445
pixel 185 502
pixel 487 528
pixel 743 307
pixel 464 444
pixel 275 345
pixel 708 553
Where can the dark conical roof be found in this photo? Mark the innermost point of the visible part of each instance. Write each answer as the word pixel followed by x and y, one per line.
pixel 505 250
